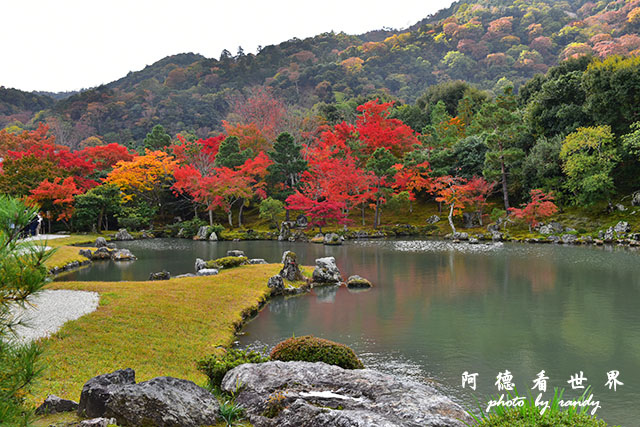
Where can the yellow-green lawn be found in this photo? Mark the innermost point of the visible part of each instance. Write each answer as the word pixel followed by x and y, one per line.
pixel 157 328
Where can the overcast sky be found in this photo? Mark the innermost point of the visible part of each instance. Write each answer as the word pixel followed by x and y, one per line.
pixel 60 45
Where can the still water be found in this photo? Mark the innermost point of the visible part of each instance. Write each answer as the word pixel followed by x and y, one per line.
pixel 438 310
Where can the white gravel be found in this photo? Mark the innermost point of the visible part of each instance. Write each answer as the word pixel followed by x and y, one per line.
pixel 50 309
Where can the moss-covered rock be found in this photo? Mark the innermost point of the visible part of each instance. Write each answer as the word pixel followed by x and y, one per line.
pixel 358 282
pixel 311 349
pixel 227 262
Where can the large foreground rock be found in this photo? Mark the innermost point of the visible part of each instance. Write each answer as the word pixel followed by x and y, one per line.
pixel 163 402
pixel 326 271
pixel 98 390
pixel 290 268
pixel 316 394
pixel 54 404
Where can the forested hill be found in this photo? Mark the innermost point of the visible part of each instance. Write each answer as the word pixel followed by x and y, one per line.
pixel 490 43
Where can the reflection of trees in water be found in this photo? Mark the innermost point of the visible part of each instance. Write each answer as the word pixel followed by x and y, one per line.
pixel 284 306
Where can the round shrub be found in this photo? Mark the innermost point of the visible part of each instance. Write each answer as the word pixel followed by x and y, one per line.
pixel 312 349
pixel 511 418
pixel 216 366
pixel 227 262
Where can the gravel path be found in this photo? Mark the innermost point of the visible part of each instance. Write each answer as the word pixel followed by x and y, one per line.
pixel 51 309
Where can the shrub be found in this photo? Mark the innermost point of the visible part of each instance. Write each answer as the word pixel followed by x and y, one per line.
pixel 190 228
pixel 216 366
pixel 311 349
pixel 227 262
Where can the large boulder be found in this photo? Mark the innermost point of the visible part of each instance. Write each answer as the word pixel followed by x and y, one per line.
pixel 213 237
pixel 85 253
pixel 622 227
pixel 358 282
pixel 123 255
pixel 285 231
pixel 101 253
pixel 290 268
pixel 200 264
pixel 569 239
pixel 54 404
pixel 98 390
pixel 163 402
pixel 332 239
pixel 202 234
pixel 123 234
pixel 326 271
pixel 101 242
pixel 317 394
pixel 276 284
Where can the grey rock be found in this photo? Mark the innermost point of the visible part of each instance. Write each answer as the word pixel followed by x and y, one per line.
pixel 101 253
pixel 290 268
pixel 302 221
pixel 317 394
pixel 123 234
pixel 180 233
pixel 569 239
pixel 160 275
pixel 257 261
pixel 207 272
pixel 609 235
pixel 112 246
pixel 622 227
pixel 147 234
pixel 98 390
pixel 356 281
pixel 569 230
pixel 635 200
pixel 203 233
pixel 461 236
pixel 96 422
pixel 285 231
pixel 276 284
pixel 493 227
pixel 86 253
pixel 163 402
pixel 54 404
pixel 326 271
pixel 433 219
pixel 101 242
pixel 332 239
pixel 471 219
pixel 235 252
pixel 621 207
pixel 123 255
pixel 497 236
pixel 553 239
pixel 181 276
pixel 200 264
pixel 588 239
pixel 213 237
pixel 318 238
pixel 473 241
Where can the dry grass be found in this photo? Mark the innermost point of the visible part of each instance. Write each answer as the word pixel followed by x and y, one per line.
pixel 156 328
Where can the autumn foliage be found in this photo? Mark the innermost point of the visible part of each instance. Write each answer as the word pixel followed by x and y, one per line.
pixel 541 206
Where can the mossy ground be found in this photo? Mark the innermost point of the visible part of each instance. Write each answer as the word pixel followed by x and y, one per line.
pixel 156 328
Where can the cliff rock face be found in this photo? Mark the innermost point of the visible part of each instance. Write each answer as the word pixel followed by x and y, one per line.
pixel 302 394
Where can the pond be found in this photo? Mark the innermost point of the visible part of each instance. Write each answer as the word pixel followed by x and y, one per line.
pixel 438 310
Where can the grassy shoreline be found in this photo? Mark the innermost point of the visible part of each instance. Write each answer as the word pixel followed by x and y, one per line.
pixel 156 328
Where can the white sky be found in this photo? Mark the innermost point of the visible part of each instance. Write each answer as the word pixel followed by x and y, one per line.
pixel 58 45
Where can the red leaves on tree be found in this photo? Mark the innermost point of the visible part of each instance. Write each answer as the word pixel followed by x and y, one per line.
pixel 321 212
pixel 106 156
pixel 57 196
pixel 541 206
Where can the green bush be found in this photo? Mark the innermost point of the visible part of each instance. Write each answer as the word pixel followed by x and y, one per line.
pixel 190 228
pixel 227 262
pixel 311 349
pixel 216 366
pixel 558 419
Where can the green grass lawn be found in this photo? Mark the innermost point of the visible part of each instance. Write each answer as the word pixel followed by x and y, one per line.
pixel 156 328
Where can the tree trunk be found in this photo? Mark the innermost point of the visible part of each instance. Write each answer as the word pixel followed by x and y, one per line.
pixel 505 194
pixel 240 213
pixel 363 223
pixel 100 219
pixel 287 215
pixel 210 217
pixel 453 228
pixel 230 218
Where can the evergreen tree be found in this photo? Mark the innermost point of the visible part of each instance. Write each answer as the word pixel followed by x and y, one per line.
pixel 229 154
pixel 287 165
pixel 23 274
pixel 157 138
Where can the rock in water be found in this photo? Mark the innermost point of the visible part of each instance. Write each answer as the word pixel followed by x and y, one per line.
pixel 98 390
pixel 161 275
pixel 290 268
pixel 357 282
pixel 326 271
pixel 54 404
pixel 101 253
pixel 202 234
pixel 317 394
pixel 213 237
pixel 85 253
pixel 235 253
pixel 200 264
pixel 332 239
pixel 276 284
pixel 163 402
pixel 123 255
pixel 318 238
pixel 123 234
pixel 101 242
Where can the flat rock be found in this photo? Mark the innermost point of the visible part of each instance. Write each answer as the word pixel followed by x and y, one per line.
pixel 163 402
pixel 98 390
pixel 317 394
pixel 235 252
pixel 54 404
pixel 207 272
pixel 358 282
pixel 123 255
